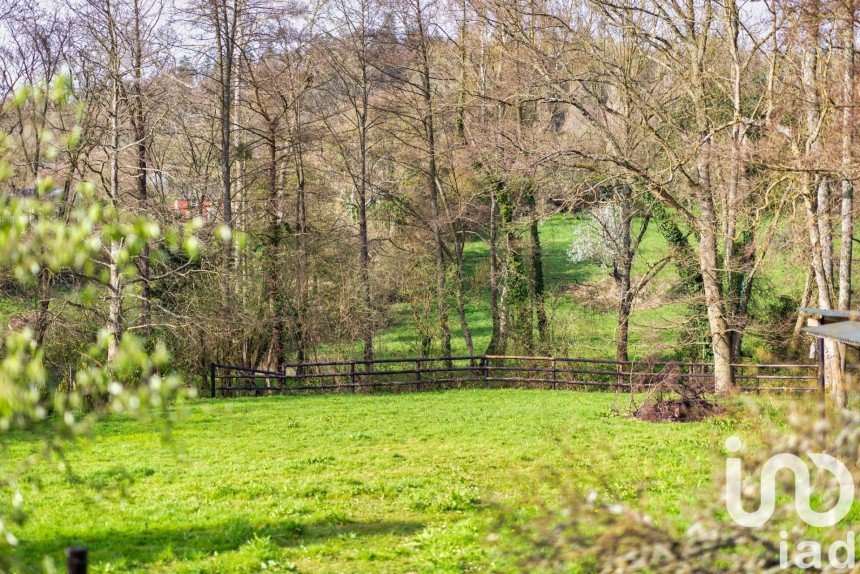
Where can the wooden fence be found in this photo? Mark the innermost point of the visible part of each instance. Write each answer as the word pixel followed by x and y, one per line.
pixel 421 374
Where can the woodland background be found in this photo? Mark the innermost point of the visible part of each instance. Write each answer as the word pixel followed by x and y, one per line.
pixel 366 178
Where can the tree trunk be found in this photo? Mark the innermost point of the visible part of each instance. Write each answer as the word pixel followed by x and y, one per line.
pixel 515 313
pixel 724 377
pixel 225 120
pixel 44 290
pixel 846 247
pixel 738 255
pixel 432 178
pixel 115 286
pixel 538 299
pixel 740 283
pixel 724 380
pixel 273 279
pixel 825 228
pixel 625 307
pixel 302 255
pixel 45 287
pixel 139 132
pixel 225 39
pixel 621 270
pixel 364 251
pixel 459 244
pixel 495 347
pixel 832 360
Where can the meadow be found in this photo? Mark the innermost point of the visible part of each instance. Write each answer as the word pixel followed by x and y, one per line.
pixel 386 483
pixel 356 483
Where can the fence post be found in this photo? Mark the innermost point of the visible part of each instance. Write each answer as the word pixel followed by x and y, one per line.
pixel 554 375
pixel 212 379
pixel 485 370
pixel 352 375
pixel 76 560
pixel 820 349
pixel 417 375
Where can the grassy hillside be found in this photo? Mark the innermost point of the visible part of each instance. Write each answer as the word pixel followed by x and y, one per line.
pixel 581 300
pixel 384 483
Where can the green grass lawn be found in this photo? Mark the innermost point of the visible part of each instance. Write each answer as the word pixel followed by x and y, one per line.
pixel 353 483
pixel 11 305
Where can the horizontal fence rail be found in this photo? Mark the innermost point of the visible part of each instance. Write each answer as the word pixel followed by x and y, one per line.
pixel 436 373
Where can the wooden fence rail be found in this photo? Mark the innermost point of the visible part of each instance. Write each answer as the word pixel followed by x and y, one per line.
pixel 428 373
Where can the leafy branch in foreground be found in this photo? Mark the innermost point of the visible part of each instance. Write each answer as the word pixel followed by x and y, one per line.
pixel 39 236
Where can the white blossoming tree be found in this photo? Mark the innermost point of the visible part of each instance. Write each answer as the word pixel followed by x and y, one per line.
pixel 606 237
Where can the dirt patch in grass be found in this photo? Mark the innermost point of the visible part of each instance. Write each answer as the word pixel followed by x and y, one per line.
pixel 677 410
pixel 673 397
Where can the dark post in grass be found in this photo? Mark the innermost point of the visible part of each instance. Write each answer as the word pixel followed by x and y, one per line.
pixel 554 375
pixel 76 560
pixel 485 368
pixel 352 375
pixel 418 375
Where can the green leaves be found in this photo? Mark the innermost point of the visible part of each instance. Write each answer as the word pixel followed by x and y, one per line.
pixel 22 379
pixel 83 238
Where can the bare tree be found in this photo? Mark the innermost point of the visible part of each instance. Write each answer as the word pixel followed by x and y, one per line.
pixel 416 94
pixel 144 19
pixel 34 56
pixel 847 17
pixel 350 50
pixel 686 176
pixel 103 28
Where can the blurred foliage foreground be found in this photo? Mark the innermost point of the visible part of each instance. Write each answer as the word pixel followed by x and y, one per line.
pixel 120 375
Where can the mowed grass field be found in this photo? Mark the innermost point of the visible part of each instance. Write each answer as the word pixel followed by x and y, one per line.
pixel 356 483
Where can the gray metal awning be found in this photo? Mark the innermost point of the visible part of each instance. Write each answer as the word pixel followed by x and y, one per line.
pixel 847 332
pixel 844 315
